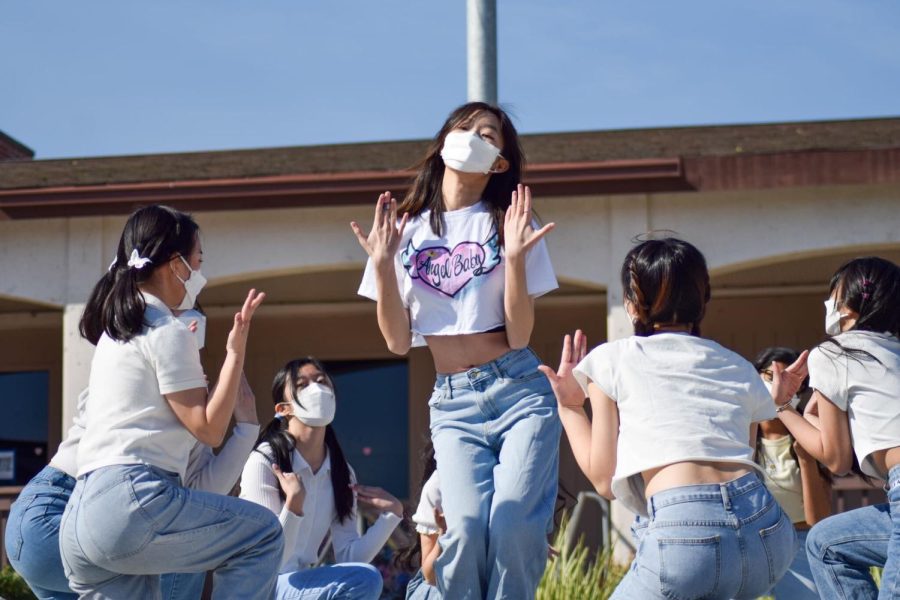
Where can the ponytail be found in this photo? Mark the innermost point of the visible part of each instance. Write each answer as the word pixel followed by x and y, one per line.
pixel 116 306
pixel 281 444
pixel 340 476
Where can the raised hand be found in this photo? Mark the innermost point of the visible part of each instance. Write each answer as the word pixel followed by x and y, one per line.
pixel 383 242
pixel 568 392
pixel 518 233
pixel 786 382
pixel 294 491
pixel 237 337
pixel 377 498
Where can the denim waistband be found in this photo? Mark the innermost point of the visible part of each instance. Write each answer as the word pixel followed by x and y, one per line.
pixel 893 478
pixel 54 477
pixel 168 476
pixel 720 493
pixel 496 368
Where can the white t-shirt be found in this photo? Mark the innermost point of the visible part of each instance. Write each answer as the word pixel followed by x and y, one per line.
pixel 127 418
pixel 429 500
pixel 454 284
pixel 680 398
pixel 867 390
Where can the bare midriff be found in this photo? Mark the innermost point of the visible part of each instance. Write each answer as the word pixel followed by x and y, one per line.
pixel 458 353
pixel 691 473
pixel 885 460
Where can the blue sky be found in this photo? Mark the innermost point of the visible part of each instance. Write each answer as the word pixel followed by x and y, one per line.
pixel 114 77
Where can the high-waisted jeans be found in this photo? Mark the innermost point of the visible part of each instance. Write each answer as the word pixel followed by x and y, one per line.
pixel 843 547
pixel 496 439
pixel 126 524
pixel 728 540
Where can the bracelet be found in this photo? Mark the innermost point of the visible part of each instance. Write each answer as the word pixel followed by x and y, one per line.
pixel 782 407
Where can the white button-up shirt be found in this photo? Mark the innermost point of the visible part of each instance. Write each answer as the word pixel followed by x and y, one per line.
pixel 303 536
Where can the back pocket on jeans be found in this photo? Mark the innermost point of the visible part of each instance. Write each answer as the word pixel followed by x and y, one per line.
pixel 689 567
pixel 780 542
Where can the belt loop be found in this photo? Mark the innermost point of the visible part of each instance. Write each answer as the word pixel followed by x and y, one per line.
pixel 498 372
pixel 726 500
pixel 651 510
pixel 450 386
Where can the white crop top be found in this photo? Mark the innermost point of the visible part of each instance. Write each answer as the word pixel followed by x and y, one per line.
pixel 454 284
pixel 127 418
pixel 867 390
pixel 680 398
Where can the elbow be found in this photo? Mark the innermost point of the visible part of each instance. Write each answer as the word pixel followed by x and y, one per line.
pixel 603 486
pixel 517 340
pixel 399 348
pixel 839 467
pixel 211 438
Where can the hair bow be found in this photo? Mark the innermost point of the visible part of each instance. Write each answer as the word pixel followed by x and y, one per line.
pixel 136 261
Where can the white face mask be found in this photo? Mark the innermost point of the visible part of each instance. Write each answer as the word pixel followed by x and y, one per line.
pixel 315 405
pixel 795 401
pixel 194 315
pixel 192 286
pixel 832 318
pixel 465 151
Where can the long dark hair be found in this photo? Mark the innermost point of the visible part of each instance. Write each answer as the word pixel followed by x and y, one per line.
pixel 870 287
pixel 115 306
pixel 410 558
pixel 425 192
pixel 282 443
pixel 667 282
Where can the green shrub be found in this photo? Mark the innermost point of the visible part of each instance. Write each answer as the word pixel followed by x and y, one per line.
pixel 574 575
pixel 13 587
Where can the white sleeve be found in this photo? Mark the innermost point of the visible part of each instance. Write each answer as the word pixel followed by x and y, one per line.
pixel 539 275
pixel 349 546
pixel 175 357
pixel 828 373
pixel 597 367
pixel 368 288
pixel 259 485
pixel 424 515
pixel 218 473
pixel 762 405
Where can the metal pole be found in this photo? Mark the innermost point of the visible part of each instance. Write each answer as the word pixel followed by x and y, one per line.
pixel 481 38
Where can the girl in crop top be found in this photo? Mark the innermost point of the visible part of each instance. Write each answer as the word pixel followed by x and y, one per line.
pixel 855 376
pixel 129 518
pixel 457 266
pixel 670 436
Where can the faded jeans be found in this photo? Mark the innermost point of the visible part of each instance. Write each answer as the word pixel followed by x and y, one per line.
pixel 843 547
pixel 126 524
pixel 343 581
pixel 728 540
pixel 496 434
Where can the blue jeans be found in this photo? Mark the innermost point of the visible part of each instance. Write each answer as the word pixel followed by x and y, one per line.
pixel 728 540
pixel 797 583
pixel 419 589
pixel 345 581
pixel 182 586
pixel 32 534
pixel 843 547
pixel 126 524
pixel 496 440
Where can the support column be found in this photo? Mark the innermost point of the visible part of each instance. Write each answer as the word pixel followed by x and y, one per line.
pixel 84 266
pixel 629 217
pixel 481 34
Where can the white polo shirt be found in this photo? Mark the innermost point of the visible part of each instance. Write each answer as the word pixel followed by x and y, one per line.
pixel 127 418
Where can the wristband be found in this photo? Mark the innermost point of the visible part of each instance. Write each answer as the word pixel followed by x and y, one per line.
pixel 782 407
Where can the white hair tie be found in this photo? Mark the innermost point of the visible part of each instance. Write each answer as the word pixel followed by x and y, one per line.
pixel 136 261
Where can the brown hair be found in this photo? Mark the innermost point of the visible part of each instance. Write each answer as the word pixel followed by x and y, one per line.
pixel 667 282
pixel 425 191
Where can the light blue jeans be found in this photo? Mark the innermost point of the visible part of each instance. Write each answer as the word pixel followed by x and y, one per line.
pixel 32 534
pixel 496 440
pixel 182 586
pixel 728 540
pixel 419 589
pixel 797 583
pixel 842 547
pixel 126 524
pixel 344 581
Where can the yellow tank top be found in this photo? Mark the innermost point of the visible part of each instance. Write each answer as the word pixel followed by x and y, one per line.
pixel 781 474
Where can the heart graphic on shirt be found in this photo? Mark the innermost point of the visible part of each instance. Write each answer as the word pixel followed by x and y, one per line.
pixel 449 271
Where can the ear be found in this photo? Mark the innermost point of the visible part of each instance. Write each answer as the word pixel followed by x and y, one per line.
pixel 501 165
pixel 284 409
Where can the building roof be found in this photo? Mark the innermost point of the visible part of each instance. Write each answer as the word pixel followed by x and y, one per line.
pixel 619 161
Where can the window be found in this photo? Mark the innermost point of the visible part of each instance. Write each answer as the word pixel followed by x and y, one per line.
pixel 24 406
